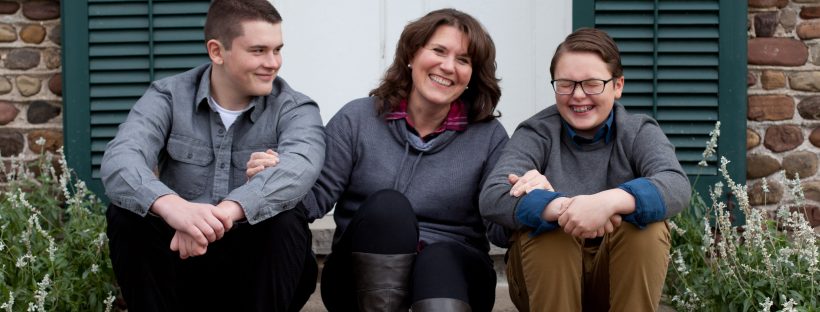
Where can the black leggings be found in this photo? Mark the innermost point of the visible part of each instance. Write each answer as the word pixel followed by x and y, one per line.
pixel 386 224
pixel 267 266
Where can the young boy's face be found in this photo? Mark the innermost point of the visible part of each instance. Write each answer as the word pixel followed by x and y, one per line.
pixel 254 58
pixel 586 113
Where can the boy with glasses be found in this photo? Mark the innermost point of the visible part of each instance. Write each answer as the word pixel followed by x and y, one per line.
pixel 570 251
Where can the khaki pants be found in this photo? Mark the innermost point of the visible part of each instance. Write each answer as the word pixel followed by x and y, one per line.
pixel 555 271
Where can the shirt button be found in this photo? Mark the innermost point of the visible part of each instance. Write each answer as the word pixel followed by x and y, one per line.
pixel 221 131
pixel 190 155
pixel 222 166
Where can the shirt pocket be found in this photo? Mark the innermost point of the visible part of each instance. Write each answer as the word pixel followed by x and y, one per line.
pixel 189 168
pixel 239 160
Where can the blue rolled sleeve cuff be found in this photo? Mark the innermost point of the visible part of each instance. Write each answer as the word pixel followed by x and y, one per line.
pixel 649 205
pixel 529 209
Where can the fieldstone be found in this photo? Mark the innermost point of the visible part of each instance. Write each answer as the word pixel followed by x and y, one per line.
pixel 781 138
pixel 809 108
pixel 758 166
pixel 758 197
pixel 55 84
pixel 767 3
pixel 41 112
pixel 777 52
pixel 22 59
pixel 770 107
pixel 773 79
pixel 814 138
pixel 808 30
pixel 7 33
pixel 53 140
pixel 55 34
pixel 815 54
pixel 52 58
pixel 812 214
pixel 9 7
pixel 41 10
pixel 809 12
pixel 811 190
pixel 802 164
pixel 765 24
pixel 5 85
pixel 750 79
pixel 27 85
pixel 806 1
pixel 33 33
pixel 752 139
pixel 805 81
pixel 11 144
pixel 7 113
pixel 788 19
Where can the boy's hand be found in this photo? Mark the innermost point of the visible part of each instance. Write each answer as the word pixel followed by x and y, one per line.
pixel 585 215
pixel 193 219
pixel 228 212
pixel 555 208
pixel 259 161
pixel 187 246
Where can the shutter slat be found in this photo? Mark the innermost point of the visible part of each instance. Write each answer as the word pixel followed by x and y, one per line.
pixel 687 59
pixel 181 34
pixel 688 73
pixel 117 50
pixel 112 104
pixel 115 22
pixel 688 18
pixel 180 62
pixel 176 21
pixel 108 118
pixel 109 77
pixel 692 87
pixel 120 90
pixel 690 45
pixel 179 48
pixel 688 100
pixel 118 9
pixel 115 36
pixel 687 115
pixel 624 6
pixel 689 5
pixel 104 132
pixel 181 7
pixel 119 63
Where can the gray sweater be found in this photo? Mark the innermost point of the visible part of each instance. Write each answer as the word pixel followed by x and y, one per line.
pixel 442 180
pixel 638 149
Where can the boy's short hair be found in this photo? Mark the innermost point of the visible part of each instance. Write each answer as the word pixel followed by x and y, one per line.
pixel 594 41
pixel 225 17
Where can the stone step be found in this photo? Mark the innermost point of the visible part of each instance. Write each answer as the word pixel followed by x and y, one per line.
pixel 322 230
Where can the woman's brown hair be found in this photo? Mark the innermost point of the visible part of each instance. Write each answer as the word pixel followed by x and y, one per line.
pixel 483 93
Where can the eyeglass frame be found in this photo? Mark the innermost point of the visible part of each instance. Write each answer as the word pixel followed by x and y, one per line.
pixel 580 82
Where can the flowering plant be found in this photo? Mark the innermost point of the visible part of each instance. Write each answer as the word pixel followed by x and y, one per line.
pixel 768 264
pixel 53 247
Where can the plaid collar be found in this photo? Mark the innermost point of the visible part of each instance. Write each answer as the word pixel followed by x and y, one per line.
pixel 456 119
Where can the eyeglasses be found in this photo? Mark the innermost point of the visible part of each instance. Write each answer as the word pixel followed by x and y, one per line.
pixel 589 86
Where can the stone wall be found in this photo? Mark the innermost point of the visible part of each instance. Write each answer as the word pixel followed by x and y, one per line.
pixel 783 120
pixel 30 79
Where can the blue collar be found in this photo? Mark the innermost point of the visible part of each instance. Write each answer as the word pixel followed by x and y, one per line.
pixel 604 132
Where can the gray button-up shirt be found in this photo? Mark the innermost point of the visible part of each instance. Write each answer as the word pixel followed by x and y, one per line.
pixel 173 128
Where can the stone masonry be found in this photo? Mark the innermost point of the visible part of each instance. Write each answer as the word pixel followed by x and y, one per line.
pixel 783 120
pixel 30 78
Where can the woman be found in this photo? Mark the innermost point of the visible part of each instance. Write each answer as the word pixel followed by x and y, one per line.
pixel 404 168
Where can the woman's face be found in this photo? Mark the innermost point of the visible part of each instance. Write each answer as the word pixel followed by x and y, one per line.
pixel 441 69
pixel 586 113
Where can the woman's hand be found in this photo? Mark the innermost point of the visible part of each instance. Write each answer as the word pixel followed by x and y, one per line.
pixel 531 180
pixel 259 161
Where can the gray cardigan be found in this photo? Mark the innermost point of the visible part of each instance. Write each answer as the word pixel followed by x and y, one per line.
pixel 638 149
pixel 442 180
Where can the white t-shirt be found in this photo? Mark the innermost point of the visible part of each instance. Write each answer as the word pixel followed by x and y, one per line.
pixel 228 116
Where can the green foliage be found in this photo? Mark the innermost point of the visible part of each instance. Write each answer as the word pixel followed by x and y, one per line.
pixel 768 264
pixel 53 248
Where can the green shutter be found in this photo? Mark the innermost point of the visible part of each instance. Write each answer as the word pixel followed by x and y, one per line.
pixel 113 50
pixel 685 65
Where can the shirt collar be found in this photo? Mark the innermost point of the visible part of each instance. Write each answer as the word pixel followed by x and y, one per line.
pixel 204 91
pixel 604 132
pixel 456 118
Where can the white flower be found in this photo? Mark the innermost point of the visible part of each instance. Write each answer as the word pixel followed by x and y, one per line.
pixel 766 305
pixel 95 268
pixel 8 305
pixel 710 145
pixel 41 141
pixel 109 301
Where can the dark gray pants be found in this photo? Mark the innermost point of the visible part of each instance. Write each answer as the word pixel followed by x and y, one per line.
pixel 268 266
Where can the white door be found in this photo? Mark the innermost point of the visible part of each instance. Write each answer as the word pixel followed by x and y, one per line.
pixel 336 51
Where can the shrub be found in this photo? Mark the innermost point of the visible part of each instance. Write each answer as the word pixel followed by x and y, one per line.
pixel 767 264
pixel 53 247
